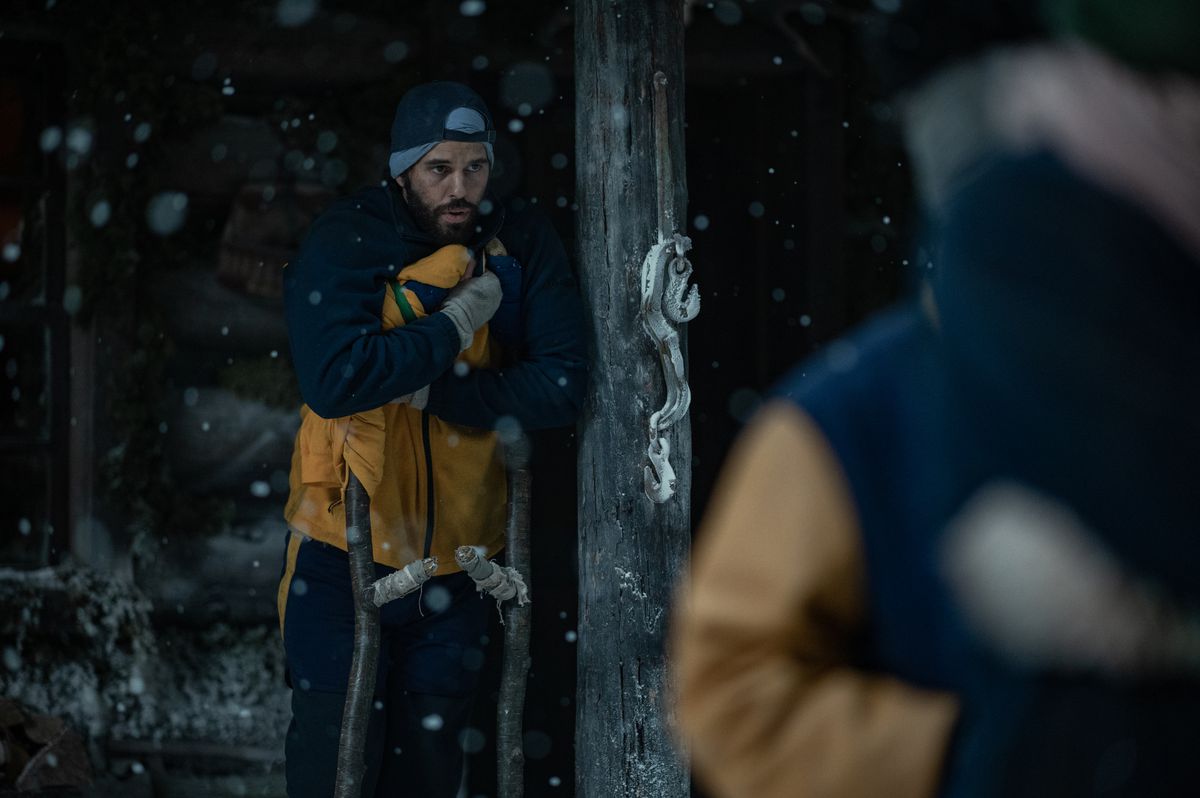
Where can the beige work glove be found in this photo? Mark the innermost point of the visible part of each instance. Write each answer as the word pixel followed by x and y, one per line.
pixel 470 305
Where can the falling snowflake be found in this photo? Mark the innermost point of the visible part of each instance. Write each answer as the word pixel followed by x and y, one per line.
pixel 79 140
pixel 395 52
pixel 526 87
pixel 166 212
pixel 728 12
pixel 471 740
pixel 50 139
pixel 508 429
pixel 437 598
pixel 294 13
pixel 72 299
pixel 472 8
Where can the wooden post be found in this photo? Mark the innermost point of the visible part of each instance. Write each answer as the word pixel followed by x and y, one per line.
pixel 514 673
pixel 631 550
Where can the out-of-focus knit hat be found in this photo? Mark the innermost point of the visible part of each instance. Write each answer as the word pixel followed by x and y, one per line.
pixel 435 112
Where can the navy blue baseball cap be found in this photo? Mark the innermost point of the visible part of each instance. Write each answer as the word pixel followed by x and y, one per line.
pixel 435 112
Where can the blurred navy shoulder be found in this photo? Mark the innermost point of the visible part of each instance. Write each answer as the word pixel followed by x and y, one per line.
pixel 855 363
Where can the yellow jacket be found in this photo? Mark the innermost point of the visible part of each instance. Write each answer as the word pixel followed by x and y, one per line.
pixel 769 698
pixel 434 486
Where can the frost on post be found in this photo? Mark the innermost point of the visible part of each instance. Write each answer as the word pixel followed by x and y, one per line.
pixel 501 582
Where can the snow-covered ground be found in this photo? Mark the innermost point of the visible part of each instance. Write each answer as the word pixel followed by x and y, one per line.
pixel 82 646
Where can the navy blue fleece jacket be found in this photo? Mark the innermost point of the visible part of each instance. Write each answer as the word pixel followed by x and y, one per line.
pixel 333 299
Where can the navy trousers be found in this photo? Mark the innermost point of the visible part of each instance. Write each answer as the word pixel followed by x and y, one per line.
pixel 431 658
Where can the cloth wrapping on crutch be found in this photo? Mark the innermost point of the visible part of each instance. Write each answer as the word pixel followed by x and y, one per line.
pixel 401 583
pixel 501 582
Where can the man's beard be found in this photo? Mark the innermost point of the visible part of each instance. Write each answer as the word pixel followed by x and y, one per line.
pixel 428 218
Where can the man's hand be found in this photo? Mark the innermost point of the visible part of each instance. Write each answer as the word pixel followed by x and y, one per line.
pixel 471 303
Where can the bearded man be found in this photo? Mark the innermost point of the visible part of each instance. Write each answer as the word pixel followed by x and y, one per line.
pixel 420 313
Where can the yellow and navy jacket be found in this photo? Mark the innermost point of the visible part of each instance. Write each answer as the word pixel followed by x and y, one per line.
pixel 819 651
pixel 360 301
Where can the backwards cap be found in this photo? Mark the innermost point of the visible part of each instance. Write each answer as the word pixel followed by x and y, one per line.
pixel 435 112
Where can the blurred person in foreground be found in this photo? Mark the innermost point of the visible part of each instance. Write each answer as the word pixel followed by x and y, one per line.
pixel 956 553
pixel 422 314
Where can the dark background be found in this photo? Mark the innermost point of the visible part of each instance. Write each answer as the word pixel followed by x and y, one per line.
pixel 133 323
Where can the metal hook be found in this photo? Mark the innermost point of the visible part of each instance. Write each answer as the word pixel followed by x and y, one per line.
pixel 659 477
pixel 667 301
pixel 681 302
pixel 660 271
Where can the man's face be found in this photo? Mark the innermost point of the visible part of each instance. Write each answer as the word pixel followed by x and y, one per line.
pixel 444 189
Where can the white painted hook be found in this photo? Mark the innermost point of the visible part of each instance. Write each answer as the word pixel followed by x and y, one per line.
pixel 659 477
pixel 667 300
